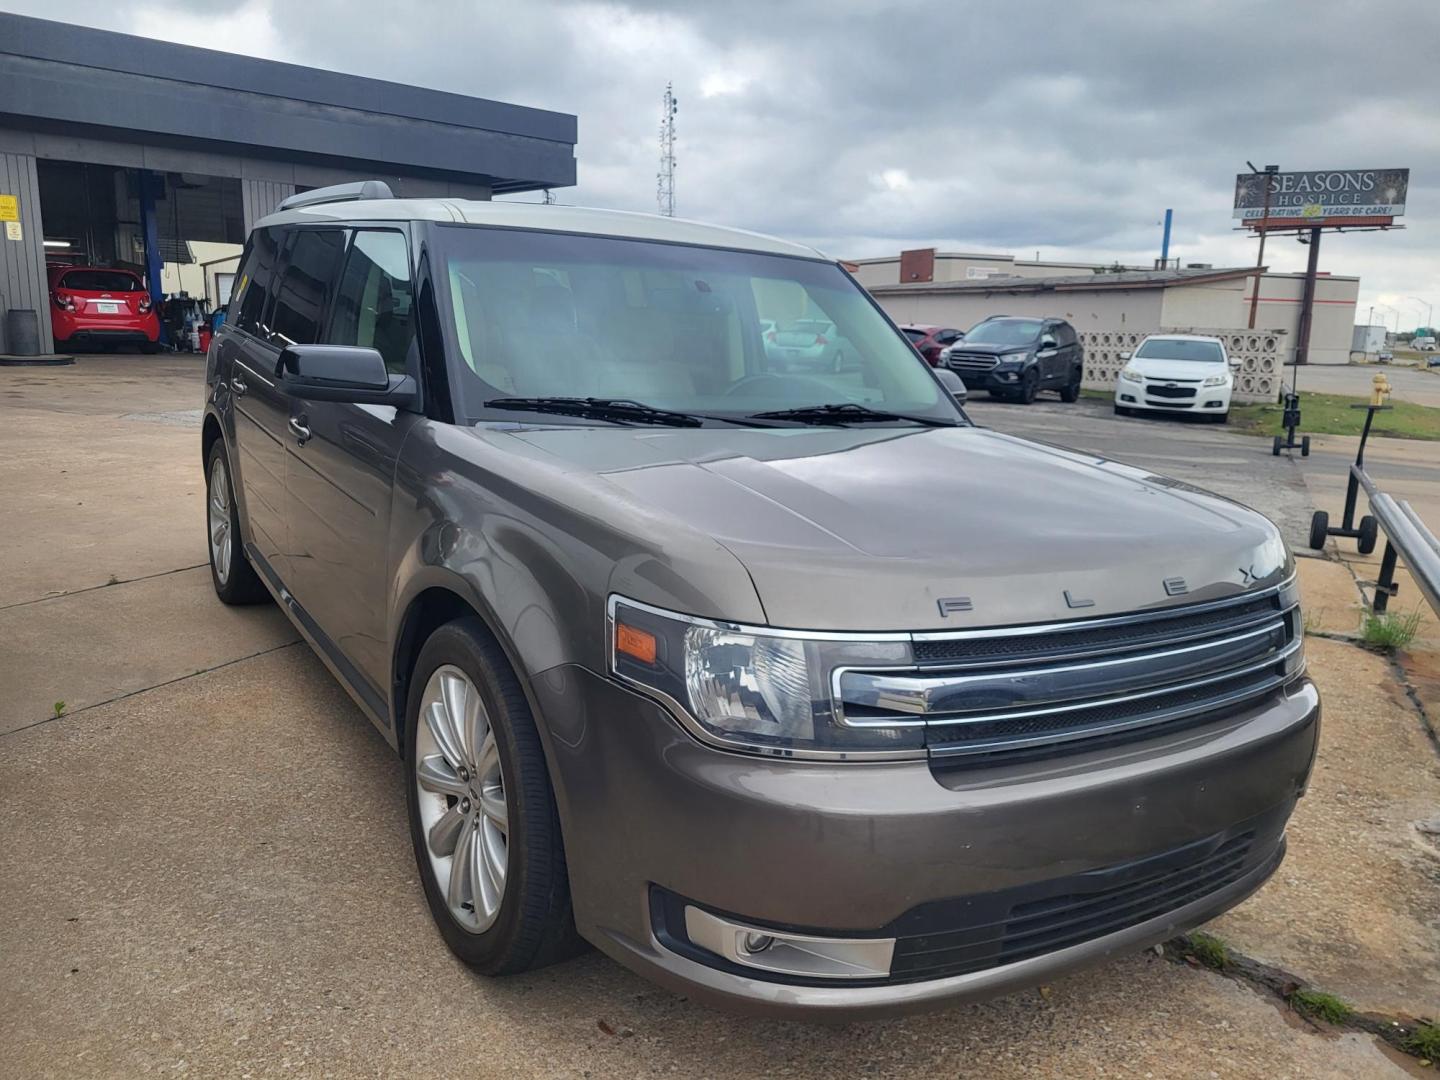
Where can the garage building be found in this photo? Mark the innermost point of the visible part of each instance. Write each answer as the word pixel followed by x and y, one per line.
pixel 122 151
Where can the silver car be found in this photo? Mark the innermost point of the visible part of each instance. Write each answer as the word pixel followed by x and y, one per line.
pixel 807 345
pixel 797 693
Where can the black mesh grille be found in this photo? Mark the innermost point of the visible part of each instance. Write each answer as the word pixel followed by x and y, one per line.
pixel 1160 630
pixel 1170 391
pixel 974 934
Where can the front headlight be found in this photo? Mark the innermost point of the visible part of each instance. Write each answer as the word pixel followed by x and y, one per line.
pixel 1130 375
pixel 754 688
pixel 1216 380
pixel 1014 359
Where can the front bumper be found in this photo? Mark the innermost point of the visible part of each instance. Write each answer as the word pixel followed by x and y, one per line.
pixel 867 849
pixel 1209 400
pixel 1008 379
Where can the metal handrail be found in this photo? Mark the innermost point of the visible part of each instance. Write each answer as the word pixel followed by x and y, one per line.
pixel 1407 537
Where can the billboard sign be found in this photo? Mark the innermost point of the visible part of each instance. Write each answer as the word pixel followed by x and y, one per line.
pixel 1324 197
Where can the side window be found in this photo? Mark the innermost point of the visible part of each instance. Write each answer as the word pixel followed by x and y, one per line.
pixel 312 264
pixel 947 337
pixel 252 287
pixel 1064 334
pixel 374 303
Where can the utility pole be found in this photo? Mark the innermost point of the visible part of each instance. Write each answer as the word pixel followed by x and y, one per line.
pixel 1429 311
pixel 1270 170
pixel 665 179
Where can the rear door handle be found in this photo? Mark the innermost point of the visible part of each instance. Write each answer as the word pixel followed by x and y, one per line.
pixel 299 430
pixel 238 387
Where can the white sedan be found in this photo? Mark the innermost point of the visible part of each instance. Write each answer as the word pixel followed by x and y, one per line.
pixel 1178 373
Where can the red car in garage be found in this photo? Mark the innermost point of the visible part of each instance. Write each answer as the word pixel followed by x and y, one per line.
pixel 94 305
pixel 929 340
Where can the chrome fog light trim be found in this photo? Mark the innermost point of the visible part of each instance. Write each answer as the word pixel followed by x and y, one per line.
pixel 789 954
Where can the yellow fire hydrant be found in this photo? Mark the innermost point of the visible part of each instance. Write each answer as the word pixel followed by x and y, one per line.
pixel 1379 389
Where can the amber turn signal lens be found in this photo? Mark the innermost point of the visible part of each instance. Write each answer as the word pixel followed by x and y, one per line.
pixel 636 644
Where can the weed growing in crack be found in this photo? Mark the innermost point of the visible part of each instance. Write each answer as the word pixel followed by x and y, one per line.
pixel 1319 1005
pixel 1390 631
pixel 1424 1042
pixel 1208 949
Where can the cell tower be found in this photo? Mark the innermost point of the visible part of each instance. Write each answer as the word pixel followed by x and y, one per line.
pixel 665 179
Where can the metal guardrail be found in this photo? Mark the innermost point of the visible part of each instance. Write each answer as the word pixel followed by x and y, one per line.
pixel 1406 536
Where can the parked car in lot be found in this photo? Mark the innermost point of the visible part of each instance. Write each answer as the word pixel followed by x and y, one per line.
pixel 93 305
pixel 931 341
pixel 1015 358
pixel 796 693
pixel 1184 373
pixel 807 345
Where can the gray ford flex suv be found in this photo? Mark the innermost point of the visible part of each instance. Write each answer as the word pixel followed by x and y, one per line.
pixel 794 692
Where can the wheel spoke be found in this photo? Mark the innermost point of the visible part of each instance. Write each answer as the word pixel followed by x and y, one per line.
pixel 489 869
pixel 454 692
pixel 446 831
pixel 492 805
pixel 477 725
pixel 217 533
pixel 436 775
pixel 438 723
pixel 461 873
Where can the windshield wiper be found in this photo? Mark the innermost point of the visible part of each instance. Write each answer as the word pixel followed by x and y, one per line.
pixel 616 410
pixel 849 412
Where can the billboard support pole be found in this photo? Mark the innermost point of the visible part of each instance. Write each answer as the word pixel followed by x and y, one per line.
pixel 1307 302
pixel 1165 241
pixel 1260 259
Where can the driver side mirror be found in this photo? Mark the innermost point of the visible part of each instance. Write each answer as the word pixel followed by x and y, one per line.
pixel 348 373
pixel 1047 347
pixel 953 383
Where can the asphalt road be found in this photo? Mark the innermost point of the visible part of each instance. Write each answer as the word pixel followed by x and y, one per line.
pixel 1410 384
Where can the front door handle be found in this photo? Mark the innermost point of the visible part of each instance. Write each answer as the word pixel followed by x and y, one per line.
pixel 238 387
pixel 299 430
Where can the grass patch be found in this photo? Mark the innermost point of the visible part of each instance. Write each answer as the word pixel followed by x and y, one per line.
pixel 1390 631
pixel 1424 1042
pixel 1319 1005
pixel 1209 950
pixel 1330 414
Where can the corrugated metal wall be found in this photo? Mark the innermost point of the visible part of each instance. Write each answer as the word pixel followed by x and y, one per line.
pixel 22 263
pixel 261 197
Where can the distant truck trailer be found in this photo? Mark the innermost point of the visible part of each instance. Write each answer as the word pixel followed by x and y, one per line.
pixel 1369 340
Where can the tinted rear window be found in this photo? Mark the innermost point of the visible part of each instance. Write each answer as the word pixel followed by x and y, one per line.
pixel 916 336
pixel 100 281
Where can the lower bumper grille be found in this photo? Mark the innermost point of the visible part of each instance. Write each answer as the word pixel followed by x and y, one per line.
pixel 1011 925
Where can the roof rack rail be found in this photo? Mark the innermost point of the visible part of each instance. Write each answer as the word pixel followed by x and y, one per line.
pixel 360 189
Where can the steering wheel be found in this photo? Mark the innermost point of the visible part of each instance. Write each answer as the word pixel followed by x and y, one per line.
pixel 800 387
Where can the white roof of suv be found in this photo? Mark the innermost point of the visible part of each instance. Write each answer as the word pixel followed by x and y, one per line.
pixel 538 216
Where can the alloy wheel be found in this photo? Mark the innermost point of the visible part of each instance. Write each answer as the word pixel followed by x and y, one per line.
pixel 461 790
pixel 221 541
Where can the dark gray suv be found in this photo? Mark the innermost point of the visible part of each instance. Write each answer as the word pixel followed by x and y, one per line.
pixel 794 692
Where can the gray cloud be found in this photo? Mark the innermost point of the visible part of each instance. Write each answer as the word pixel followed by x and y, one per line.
pixel 863 127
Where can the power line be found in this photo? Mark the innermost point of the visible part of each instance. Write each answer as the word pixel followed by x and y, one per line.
pixel 665 179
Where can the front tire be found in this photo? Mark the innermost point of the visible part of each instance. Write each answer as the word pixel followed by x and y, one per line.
pixel 482 811
pixel 232 575
pixel 1070 392
pixel 1029 387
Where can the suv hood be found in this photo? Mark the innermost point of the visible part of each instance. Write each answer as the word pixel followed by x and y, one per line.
pixel 868 529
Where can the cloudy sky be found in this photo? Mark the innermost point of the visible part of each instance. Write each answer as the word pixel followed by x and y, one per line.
pixel 1060 127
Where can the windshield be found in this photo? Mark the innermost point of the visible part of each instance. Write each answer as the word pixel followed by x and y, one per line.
pixel 1208 352
pixel 100 281
pixel 1004 332
pixel 697 330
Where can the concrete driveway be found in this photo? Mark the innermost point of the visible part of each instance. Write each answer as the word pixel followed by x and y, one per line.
pixel 206 869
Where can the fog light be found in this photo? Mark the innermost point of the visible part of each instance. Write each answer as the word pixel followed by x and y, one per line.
pixel 1126 397
pixel 790 954
pixel 758 942
pixel 1213 404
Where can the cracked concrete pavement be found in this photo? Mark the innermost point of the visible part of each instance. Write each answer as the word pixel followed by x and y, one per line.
pixel 207 870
